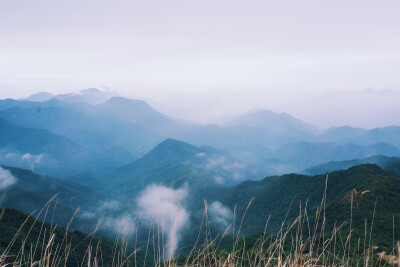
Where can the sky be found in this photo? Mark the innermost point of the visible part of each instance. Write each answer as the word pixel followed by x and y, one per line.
pixel 202 59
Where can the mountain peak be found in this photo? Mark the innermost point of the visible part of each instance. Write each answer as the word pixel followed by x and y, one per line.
pixel 40 97
pixel 91 90
pixel 174 145
pixel 270 119
pixel 131 111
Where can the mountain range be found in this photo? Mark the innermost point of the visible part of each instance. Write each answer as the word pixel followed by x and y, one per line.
pixel 105 153
pixel 116 131
pixel 274 199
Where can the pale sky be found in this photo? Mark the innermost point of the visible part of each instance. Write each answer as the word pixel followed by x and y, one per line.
pixel 210 57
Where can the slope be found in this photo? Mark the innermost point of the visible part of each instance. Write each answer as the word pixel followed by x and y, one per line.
pixel 71 251
pixel 372 206
pixel 43 150
pixel 330 166
pixel 280 196
pixel 28 191
pixel 186 160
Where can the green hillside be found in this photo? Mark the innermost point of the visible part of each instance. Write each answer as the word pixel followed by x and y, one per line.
pixel 177 162
pixel 372 204
pixel 32 191
pixel 393 168
pixel 25 240
pixel 359 221
pixel 281 196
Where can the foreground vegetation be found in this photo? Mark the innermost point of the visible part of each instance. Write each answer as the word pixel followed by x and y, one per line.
pixel 310 240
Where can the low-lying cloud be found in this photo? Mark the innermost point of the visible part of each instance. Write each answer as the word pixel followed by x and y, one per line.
pixel 110 212
pixel 6 179
pixel 158 206
pixel 221 214
pixel 125 224
pixel 236 170
pixel 110 205
pixel 21 160
pixel 32 160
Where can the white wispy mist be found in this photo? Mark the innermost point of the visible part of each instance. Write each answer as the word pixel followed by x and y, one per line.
pixel 110 211
pixel 11 155
pixel 110 205
pixel 22 160
pixel 32 160
pixel 110 217
pixel 221 214
pixel 219 179
pixel 87 214
pixel 6 179
pixel 158 206
pixel 236 169
pixel 201 155
pixel 124 225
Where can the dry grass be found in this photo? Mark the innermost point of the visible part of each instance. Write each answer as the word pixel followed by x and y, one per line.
pixel 299 243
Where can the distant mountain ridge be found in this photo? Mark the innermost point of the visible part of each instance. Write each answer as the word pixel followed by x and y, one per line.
pixel 120 130
pixel 270 119
pixel 382 161
pixel 347 134
pixel 303 155
pixel 130 110
pixel 47 152
pixel 109 153
pixel 91 96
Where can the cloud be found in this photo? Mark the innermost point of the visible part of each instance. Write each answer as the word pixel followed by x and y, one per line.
pixel 11 155
pixel 221 214
pixel 158 205
pixel 110 212
pixel 125 224
pixel 213 163
pixel 235 170
pixel 110 205
pixel 219 179
pixel 201 155
pixel 32 160
pixel 87 215
pixel 237 176
pixel 6 179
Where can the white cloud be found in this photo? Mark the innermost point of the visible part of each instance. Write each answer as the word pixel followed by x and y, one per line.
pixel 237 176
pixel 219 179
pixel 213 163
pixel 235 169
pixel 32 160
pixel 6 179
pixel 125 224
pixel 11 155
pixel 110 212
pixel 110 205
pixel 158 205
pixel 201 155
pixel 220 213
pixel 87 214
